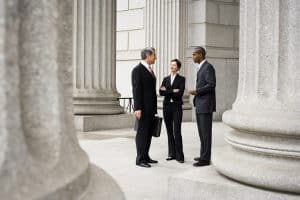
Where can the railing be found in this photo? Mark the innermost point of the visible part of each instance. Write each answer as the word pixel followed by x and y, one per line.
pixel 126 103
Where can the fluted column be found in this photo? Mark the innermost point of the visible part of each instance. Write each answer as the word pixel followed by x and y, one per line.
pixel 166 31
pixel 40 157
pixel 95 57
pixel 264 146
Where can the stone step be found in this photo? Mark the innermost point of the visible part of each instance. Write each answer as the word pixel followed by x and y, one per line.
pixel 207 184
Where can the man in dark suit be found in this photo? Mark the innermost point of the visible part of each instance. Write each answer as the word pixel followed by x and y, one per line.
pixel 145 105
pixel 172 88
pixel 205 103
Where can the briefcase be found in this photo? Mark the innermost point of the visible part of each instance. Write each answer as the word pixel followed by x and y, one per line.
pixel 156 127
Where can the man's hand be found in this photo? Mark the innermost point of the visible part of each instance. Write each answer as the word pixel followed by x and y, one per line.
pixel 175 90
pixel 138 114
pixel 192 92
pixel 163 88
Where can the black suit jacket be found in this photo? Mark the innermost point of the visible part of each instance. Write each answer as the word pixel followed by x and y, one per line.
pixel 205 99
pixel 143 89
pixel 178 83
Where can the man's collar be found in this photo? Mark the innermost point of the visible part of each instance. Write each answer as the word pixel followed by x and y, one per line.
pixel 199 65
pixel 203 61
pixel 145 64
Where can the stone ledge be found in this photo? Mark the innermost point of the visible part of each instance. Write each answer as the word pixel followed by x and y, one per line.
pixel 103 122
pixel 207 184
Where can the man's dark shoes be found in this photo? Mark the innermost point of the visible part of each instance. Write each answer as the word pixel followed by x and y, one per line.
pixel 152 161
pixel 180 161
pixel 143 165
pixel 201 163
pixel 197 159
pixel 170 158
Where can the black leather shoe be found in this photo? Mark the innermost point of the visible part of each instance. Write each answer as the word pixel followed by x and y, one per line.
pixel 201 163
pixel 180 161
pixel 152 161
pixel 170 158
pixel 146 165
pixel 197 159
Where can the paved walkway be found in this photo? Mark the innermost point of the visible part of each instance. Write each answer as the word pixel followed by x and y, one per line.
pixel 117 157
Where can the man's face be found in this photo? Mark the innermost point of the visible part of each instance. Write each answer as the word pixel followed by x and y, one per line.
pixel 151 58
pixel 197 57
pixel 173 67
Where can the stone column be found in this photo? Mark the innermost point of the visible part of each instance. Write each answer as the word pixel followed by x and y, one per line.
pixel 94 61
pixel 166 30
pixel 264 146
pixel 94 58
pixel 39 151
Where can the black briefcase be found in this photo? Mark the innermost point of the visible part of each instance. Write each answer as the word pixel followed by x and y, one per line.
pixel 156 127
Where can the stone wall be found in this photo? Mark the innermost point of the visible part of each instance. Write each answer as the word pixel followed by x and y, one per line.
pixel 211 23
pixel 130 40
pixel 215 25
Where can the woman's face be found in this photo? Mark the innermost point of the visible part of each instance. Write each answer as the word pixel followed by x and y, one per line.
pixel 173 67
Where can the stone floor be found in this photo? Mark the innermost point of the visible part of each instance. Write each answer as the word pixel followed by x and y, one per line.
pixel 117 157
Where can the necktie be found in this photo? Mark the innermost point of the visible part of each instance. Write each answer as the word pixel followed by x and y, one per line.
pixel 151 71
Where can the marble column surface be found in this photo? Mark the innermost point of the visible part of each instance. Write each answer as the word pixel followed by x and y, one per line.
pixel 39 153
pixel 94 58
pixel 166 31
pixel 264 148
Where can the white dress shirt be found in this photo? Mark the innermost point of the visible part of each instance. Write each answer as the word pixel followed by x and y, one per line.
pixel 148 67
pixel 198 66
pixel 173 76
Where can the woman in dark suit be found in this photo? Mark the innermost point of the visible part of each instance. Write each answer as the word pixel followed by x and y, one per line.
pixel 172 88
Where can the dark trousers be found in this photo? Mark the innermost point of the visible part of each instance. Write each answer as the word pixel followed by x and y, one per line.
pixel 204 123
pixel 143 138
pixel 173 118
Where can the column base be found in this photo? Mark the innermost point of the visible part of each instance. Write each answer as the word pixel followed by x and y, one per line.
pixel 102 186
pixel 206 184
pixel 106 104
pixel 68 180
pixel 103 122
pixel 260 170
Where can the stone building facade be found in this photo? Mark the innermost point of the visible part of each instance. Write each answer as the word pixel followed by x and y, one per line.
pixel 42 43
pixel 173 28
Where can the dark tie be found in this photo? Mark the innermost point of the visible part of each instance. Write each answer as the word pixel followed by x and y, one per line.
pixel 151 71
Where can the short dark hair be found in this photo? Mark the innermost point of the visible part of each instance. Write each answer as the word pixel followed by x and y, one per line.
pixel 178 63
pixel 200 50
pixel 146 52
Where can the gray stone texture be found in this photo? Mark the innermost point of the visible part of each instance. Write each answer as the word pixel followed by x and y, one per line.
pixel 104 122
pixel 214 25
pixel 39 151
pixel 263 150
pixel 166 31
pixel 94 88
pixel 207 184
